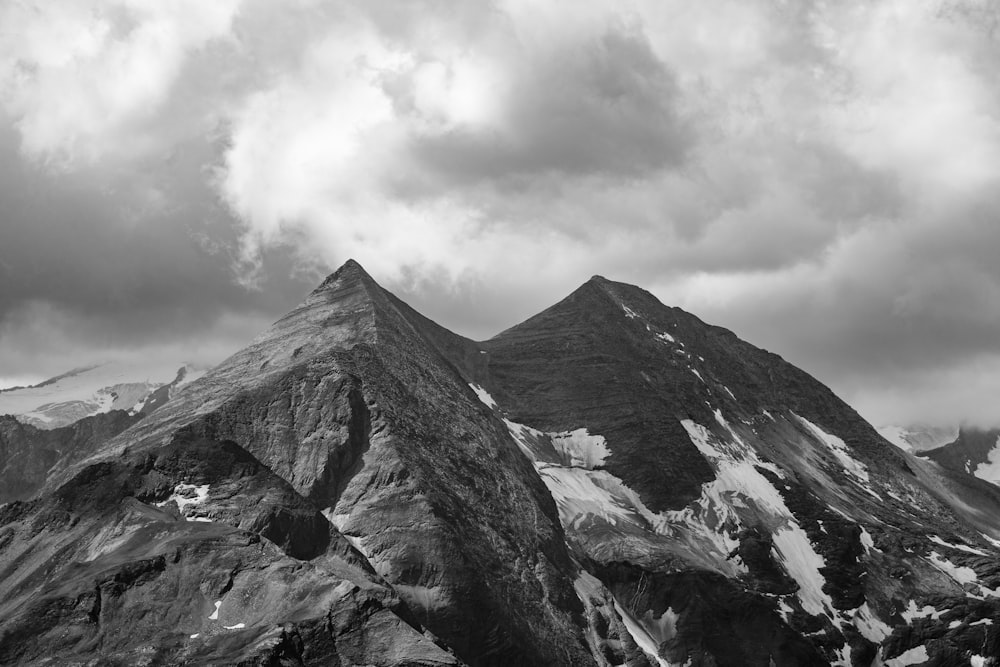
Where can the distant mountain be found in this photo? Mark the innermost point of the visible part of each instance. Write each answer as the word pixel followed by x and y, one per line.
pixel 918 437
pixel 91 390
pixel 611 482
pixel 975 451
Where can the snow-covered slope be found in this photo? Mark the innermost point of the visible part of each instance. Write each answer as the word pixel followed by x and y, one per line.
pixel 95 389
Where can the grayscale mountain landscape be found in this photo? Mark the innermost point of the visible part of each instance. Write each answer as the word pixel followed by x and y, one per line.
pixel 575 333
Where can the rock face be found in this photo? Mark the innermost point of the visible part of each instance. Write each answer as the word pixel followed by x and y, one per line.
pixel 612 482
pixel 29 454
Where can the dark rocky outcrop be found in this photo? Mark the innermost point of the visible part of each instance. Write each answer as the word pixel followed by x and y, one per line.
pixel 29 454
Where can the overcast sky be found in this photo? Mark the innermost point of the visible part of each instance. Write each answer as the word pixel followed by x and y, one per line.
pixel 820 177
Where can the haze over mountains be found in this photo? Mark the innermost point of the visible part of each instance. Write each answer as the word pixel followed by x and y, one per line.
pixel 91 390
pixel 611 482
pixel 918 437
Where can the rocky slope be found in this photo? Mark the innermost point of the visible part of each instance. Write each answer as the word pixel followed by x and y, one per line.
pixel 612 482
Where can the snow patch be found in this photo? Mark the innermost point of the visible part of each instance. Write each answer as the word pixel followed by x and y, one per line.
pixel 641 636
pixel 697 374
pixel 963 575
pixel 911 612
pixel 484 396
pixel 914 656
pixel 785 610
pixel 195 635
pixel 739 483
pixel 187 495
pixel 843 656
pixel 582 494
pixel 869 625
pixel 215 614
pixel 866 540
pixel 803 564
pixel 983 621
pixel 840 451
pixel 666 338
pixel 714 518
pixel 961 547
pixel 629 313
pixel 525 437
pixel 581 448
pixel 587 586
pixel 238 626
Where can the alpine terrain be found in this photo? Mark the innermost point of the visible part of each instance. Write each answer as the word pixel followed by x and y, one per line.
pixel 611 482
pixel 918 437
pixel 92 390
pixel 975 451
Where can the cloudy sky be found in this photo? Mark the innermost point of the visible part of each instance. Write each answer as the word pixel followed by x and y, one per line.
pixel 820 177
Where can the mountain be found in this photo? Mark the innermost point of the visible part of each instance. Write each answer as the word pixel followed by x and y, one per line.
pixel 28 454
pixel 918 437
pixel 611 482
pixel 974 451
pixel 92 390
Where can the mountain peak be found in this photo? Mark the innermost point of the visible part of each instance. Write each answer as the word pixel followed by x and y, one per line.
pixel 350 272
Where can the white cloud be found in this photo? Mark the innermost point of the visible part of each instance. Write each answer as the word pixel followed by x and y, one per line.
pixel 81 76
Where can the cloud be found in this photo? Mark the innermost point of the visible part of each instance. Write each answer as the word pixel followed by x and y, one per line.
pixel 817 176
pixel 81 77
pixel 41 341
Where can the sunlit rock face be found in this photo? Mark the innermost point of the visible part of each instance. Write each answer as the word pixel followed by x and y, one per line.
pixel 612 482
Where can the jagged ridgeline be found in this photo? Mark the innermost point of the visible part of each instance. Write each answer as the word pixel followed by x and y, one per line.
pixel 611 482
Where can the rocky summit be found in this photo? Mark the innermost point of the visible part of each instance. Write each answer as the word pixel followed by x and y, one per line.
pixel 611 482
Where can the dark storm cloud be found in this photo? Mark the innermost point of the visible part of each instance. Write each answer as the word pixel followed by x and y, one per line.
pixel 131 257
pixel 91 267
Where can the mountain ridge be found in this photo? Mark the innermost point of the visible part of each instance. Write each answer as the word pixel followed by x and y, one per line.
pixel 612 481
